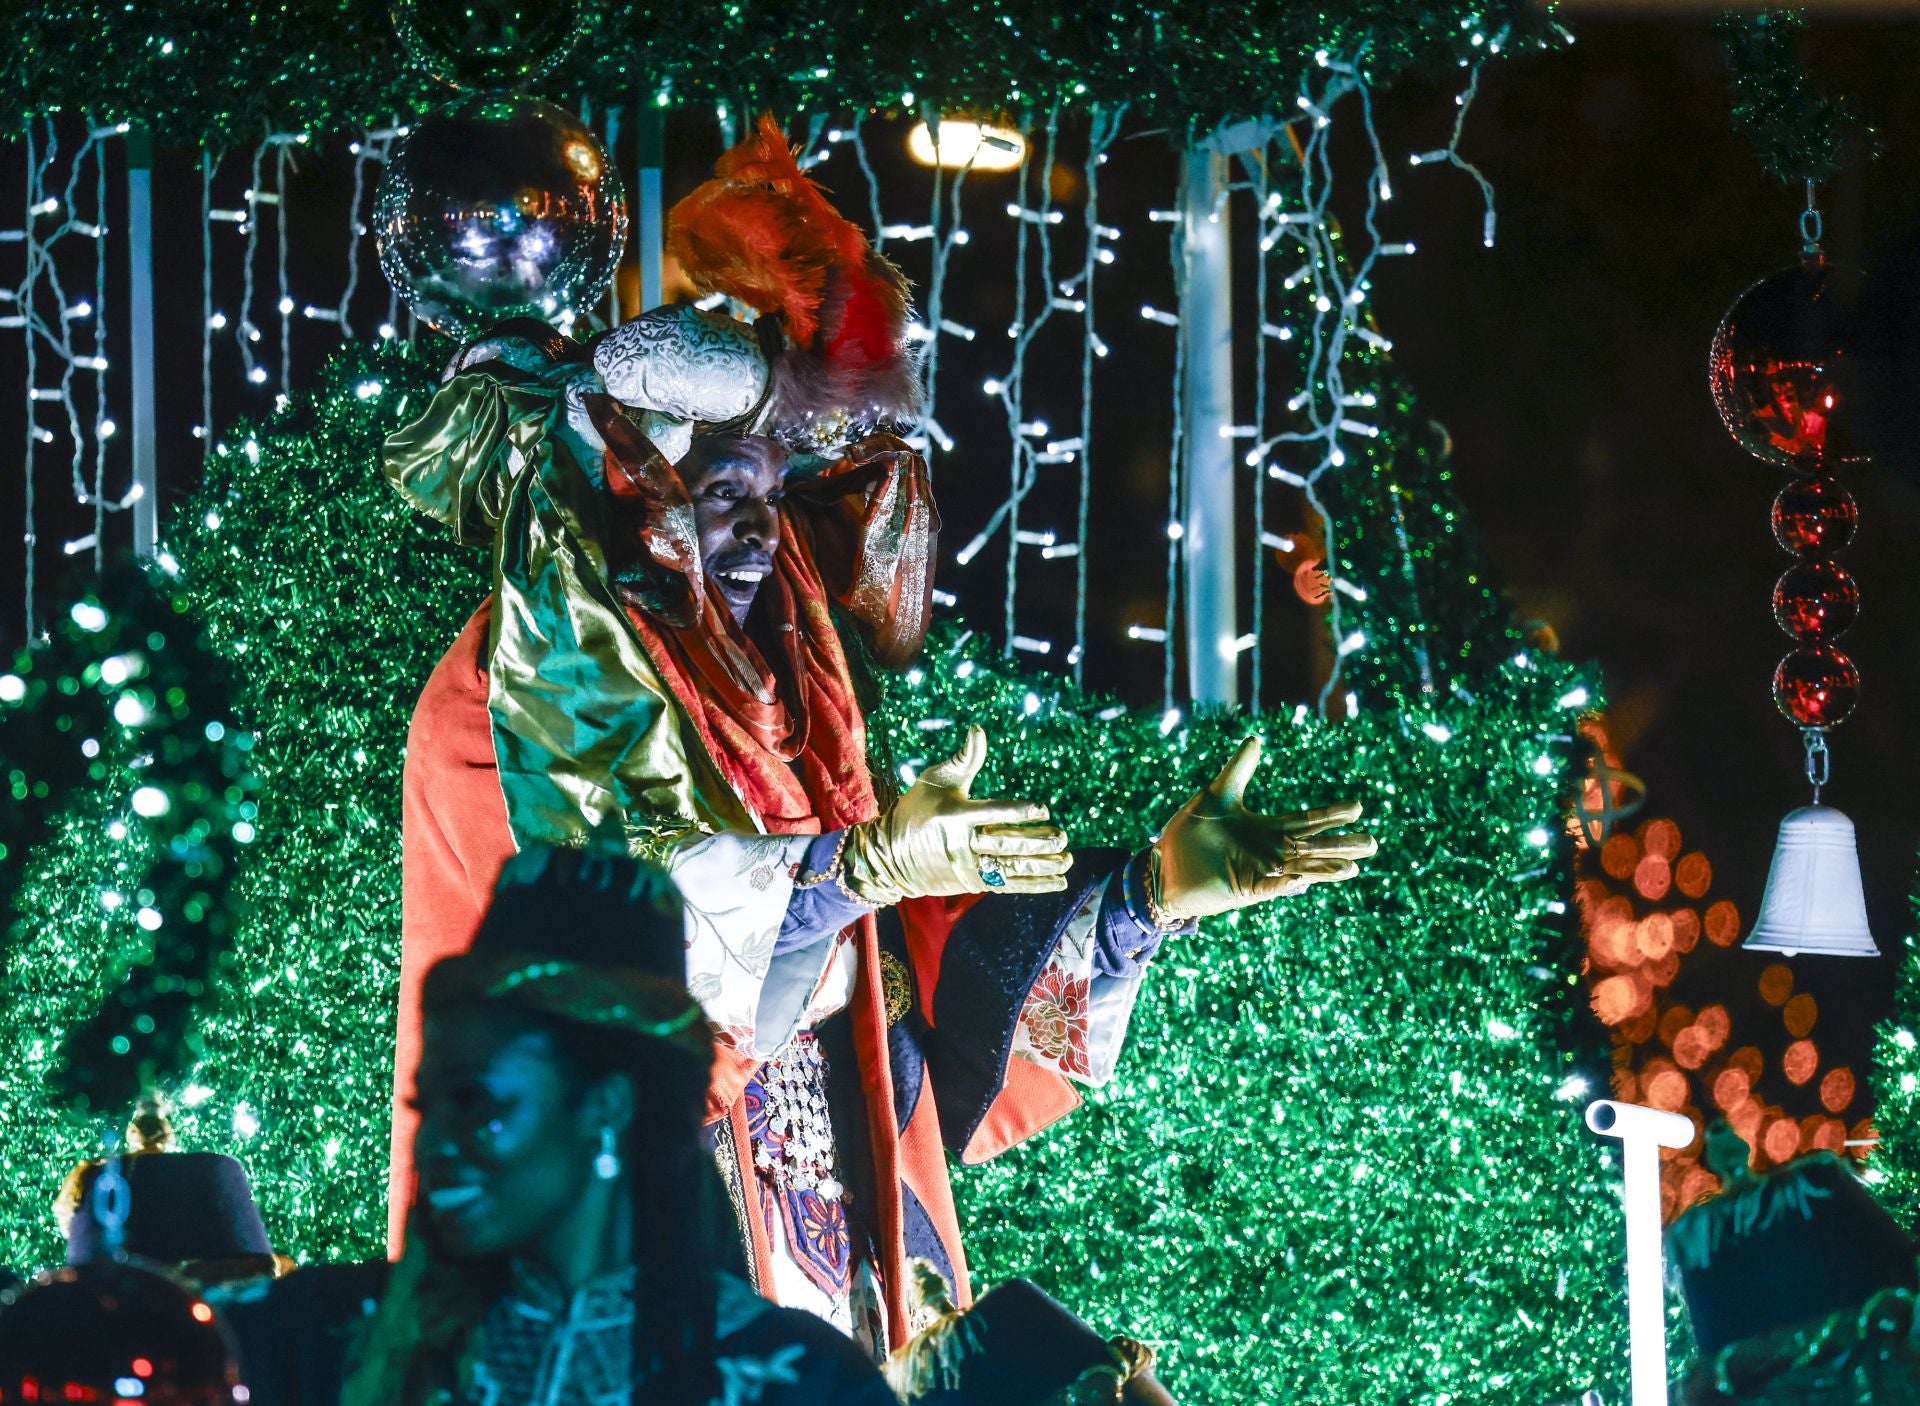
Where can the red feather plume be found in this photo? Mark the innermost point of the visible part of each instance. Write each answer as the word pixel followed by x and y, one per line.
pixel 764 233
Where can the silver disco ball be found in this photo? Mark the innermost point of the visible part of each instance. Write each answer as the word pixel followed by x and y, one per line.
pixel 499 205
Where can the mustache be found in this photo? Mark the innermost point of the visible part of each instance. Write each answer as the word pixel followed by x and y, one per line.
pixel 732 559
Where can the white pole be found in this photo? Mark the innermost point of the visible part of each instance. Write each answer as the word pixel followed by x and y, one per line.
pixel 146 479
pixel 1209 530
pixel 1642 1132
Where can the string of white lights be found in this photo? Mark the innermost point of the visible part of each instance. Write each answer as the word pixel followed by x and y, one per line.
pixel 97 316
pixel 63 332
pixel 29 532
pixel 1020 431
pixel 857 132
pixel 1262 191
pixel 372 148
pixel 209 163
pixel 948 232
pixel 1103 127
pixel 1176 450
pixel 245 333
pixel 284 304
pixel 1334 284
pixel 366 153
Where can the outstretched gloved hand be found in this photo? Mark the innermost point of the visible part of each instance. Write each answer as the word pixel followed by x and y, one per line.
pixel 1216 855
pixel 937 840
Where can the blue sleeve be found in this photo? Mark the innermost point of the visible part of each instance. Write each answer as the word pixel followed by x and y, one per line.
pixel 821 905
pixel 1126 937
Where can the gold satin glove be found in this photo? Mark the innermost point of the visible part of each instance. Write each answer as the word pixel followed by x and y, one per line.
pixel 1216 855
pixel 937 840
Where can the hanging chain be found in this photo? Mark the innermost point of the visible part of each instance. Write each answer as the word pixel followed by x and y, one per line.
pixel 1819 763
pixel 1811 227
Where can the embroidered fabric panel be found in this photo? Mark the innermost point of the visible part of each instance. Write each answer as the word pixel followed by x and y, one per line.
pixel 737 887
pixel 796 1176
pixel 540 1348
pixel 1075 1017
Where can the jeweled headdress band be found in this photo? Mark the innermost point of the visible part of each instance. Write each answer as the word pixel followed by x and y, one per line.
pixel 583 993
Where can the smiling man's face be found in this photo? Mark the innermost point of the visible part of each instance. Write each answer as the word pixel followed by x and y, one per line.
pixel 735 484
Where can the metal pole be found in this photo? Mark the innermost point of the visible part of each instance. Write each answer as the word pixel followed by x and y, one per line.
pixel 146 480
pixel 650 132
pixel 1208 523
pixel 1642 1132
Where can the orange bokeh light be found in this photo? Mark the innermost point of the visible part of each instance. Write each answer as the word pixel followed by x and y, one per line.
pixel 1686 929
pixel 1696 1185
pixel 1660 837
pixel 1639 1030
pixel 1837 1090
pixel 1748 1061
pixel 1654 936
pixel 1831 1135
pixel 1731 1088
pixel 1690 1048
pixel 1693 875
pixel 1744 1119
pixel 1801 1013
pixel 1776 984
pixel 1781 1139
pixel 1715 1024
pixel 1800 1061
pixel 1619 855
pixel 1667 1089
pixel 1662 971
pixel 1723 924
pixel 1652 877
pixel 1673 1020
pixel 1616 1000
pixel 1611 943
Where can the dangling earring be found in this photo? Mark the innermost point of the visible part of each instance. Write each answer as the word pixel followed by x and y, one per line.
pixel 607 1165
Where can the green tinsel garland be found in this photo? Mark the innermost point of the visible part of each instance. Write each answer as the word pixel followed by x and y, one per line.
pixel 126 698
pixel 1344 1160
pixel 223 73
pixel 1798 133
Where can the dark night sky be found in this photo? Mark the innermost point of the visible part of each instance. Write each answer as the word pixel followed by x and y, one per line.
pixel 1569 365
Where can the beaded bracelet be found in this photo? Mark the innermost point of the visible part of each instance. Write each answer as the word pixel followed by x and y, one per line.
pixel 832 871
pixel 1162 919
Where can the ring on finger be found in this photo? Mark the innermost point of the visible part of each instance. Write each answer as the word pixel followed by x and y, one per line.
pixel 991 874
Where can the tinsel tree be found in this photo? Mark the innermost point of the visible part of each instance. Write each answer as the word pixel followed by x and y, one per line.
pixel 1896 1089
pixel 1344 1158
pixel 330 605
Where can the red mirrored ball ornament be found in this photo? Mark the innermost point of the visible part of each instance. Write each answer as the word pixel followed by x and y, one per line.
pixel 1816 600
pixel 81 1332
pixel 1814 516
pixel 1782 368
pixel 1816 686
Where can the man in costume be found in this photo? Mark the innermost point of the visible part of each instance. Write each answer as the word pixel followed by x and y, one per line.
pixel 705 538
